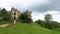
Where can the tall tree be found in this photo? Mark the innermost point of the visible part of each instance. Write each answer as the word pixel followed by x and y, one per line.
pixel 4 13
pixel 49 23
pixel 48 17
pixel 26 17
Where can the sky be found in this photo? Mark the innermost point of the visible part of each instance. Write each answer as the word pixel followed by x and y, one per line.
pixel 39 8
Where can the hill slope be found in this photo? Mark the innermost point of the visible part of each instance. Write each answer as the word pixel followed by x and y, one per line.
pixel 23 28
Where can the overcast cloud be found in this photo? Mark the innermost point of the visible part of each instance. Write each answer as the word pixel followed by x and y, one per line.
pixel 38 7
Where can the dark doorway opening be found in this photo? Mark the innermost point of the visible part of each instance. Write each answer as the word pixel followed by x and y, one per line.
pixel 14 18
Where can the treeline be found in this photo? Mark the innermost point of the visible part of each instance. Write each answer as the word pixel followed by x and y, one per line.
pixel 48 22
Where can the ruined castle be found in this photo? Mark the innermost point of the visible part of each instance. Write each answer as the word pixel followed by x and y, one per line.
pixel 16 13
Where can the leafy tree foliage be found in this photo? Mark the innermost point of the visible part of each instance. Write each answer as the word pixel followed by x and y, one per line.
pixel 51 25
pixel 10 19
pixel 48 17
pixel 24 17
pixel 4 14
pixel 47 23
pixel 41 22
pixel 58 25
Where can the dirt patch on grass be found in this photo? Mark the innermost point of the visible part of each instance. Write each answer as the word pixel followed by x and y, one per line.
pixel 5 25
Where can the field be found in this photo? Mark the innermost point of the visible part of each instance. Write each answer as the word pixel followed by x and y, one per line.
pixel 24 28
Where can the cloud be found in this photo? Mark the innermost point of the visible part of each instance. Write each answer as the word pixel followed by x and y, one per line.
pixel 28 4
pixel 21 4
pixel 6 4
pixel 36 16
pixel 34 5
pixel 54 5
pixel 55 15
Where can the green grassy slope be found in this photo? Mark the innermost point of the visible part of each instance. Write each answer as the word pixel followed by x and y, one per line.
pixel 23 28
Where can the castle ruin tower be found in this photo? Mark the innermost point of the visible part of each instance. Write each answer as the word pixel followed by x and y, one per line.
pixel 15 14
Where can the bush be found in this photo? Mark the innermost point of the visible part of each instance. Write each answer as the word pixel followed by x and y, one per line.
pixel 49 25
pixel 41 22
pixel 58 25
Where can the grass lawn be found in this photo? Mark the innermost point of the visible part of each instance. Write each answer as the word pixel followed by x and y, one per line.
pixel 24 28
pixel 3 22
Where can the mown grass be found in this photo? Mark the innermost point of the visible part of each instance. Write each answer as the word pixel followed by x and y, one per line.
pixel 24 28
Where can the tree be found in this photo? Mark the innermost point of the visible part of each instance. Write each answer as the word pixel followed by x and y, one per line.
pixel 49 23
pixel 10 19
pixel 25 17
pixel 4 14
pixel 0 13
pixel 48 17
pixel 0 8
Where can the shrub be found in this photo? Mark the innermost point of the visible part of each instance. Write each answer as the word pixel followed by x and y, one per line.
pixel 41 22
pixel 49 25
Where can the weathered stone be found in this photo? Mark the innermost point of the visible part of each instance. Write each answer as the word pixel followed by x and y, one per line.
pixel 15 14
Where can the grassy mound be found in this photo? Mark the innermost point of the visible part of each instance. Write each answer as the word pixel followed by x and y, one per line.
pixel 23 28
